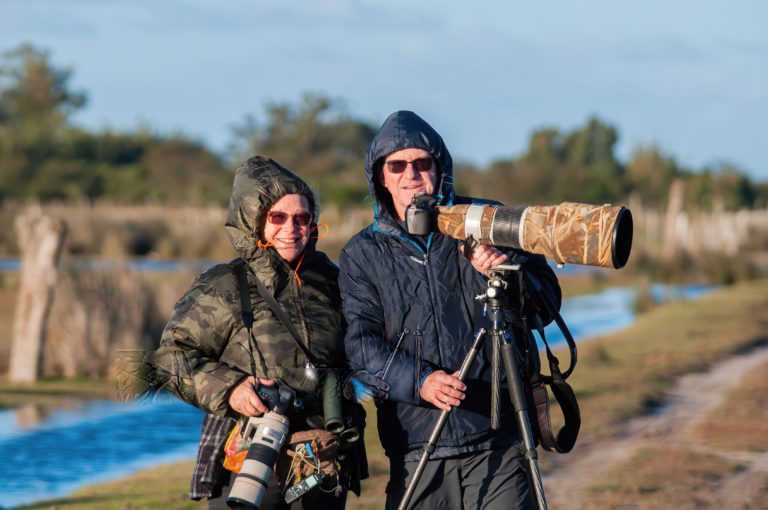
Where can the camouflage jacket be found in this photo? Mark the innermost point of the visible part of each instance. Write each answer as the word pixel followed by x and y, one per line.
pixel 205 347
pixel 209 350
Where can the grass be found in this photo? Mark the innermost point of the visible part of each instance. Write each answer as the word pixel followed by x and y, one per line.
pixel 161 487
pixel 741 421
pixel 53 391
pixel 691 475
pixel 625 374
pixel 643 480
pixel 618 376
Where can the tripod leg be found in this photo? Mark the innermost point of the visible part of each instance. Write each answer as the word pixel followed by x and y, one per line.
pixel 517 396
pixel 495 380
pixel 435 435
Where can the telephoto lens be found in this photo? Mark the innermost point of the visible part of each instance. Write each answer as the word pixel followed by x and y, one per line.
pixel 573 233
pixel 268 436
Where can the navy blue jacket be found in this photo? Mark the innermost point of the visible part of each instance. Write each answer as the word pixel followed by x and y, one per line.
pixel 423 288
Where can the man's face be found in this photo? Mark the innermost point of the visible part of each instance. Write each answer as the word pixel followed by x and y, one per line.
pixel 405 173
pixel 287 226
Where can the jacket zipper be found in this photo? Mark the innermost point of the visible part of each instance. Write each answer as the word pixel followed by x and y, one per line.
pixel 430 283
pixel 433 299
pixel 396 347
pixel 417 379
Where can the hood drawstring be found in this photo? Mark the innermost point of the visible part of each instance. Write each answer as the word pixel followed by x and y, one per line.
pixel 315 228
pixel 296 271
pixel 261 244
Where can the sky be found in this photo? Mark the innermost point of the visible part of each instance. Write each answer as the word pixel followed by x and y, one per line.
pixel 690 77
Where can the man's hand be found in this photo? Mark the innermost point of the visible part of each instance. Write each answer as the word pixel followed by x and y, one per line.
pixel 442 390
pixel 485 257
pixel 244 399
pixel 363 385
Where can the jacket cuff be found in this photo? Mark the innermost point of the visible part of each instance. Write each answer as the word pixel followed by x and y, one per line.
pixel 213 389
pixel 426 373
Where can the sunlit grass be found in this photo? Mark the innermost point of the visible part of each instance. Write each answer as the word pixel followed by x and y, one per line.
pixel 661 477
pixel 161 487
pixel 620 375
pixel 741 421
pixel 51 391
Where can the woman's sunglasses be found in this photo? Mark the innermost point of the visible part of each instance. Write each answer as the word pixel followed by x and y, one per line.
pixel 278 218
pixel 399 165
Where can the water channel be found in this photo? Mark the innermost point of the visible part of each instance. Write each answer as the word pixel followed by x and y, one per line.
pixel 47 453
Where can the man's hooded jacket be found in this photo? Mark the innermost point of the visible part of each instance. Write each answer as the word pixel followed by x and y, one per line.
pixel 422 288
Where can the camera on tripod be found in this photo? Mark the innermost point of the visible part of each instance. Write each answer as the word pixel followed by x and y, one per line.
pixel 571 232
pixel 267 434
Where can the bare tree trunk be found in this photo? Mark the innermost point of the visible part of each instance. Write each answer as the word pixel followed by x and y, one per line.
pixel 675 206
pixel 40 240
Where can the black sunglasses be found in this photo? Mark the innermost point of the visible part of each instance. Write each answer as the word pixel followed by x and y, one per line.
pixel 301 219
pixel 397 166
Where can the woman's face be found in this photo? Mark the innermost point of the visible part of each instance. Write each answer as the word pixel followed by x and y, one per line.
pixel 287 226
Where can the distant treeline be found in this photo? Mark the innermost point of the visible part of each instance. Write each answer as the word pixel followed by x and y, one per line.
pixel 43 155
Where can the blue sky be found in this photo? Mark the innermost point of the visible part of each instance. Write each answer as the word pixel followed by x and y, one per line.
pixel 689 76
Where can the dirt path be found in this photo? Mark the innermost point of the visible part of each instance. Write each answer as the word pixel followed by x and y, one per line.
pixel 688 402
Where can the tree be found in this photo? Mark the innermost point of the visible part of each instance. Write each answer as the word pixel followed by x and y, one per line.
pixel 594 173
pixel 35 97
pixel 185 172
pixel 650 174
pixel 728 190
pixel 316 139
pixel 579 166
pixel 40 239
pixel 35 103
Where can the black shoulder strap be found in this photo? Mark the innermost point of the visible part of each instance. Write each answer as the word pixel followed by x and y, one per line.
pixel 247 312
pixel 566 437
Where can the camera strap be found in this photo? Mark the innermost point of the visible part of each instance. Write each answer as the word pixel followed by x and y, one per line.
pixel 247 312
pixel 566 437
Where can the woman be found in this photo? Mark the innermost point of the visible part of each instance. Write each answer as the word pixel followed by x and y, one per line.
pixel 216 365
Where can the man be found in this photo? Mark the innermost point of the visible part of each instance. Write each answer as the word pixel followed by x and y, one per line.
pixel 409 303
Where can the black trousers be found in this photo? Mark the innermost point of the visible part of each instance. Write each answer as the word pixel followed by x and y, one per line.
pixel 489 480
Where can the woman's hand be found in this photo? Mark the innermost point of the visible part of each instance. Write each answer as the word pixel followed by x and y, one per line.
pixel 244 399
pixel 442 390
pixel 485 257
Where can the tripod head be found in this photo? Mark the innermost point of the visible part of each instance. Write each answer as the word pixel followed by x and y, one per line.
pixel 531 290
pixel 497 284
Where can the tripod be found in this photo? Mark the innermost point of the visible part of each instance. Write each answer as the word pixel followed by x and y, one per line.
pixel 495 300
